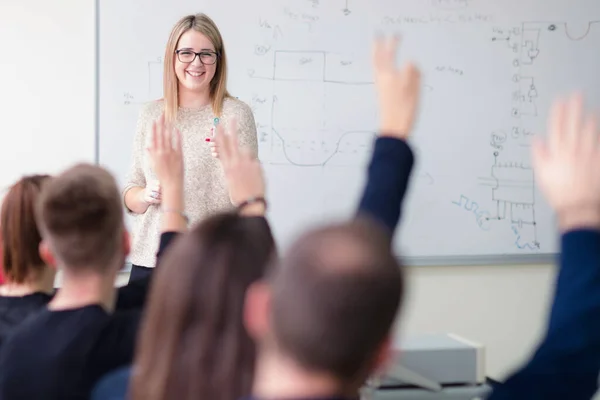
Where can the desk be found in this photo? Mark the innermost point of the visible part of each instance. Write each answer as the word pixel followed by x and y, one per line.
pixel 452 393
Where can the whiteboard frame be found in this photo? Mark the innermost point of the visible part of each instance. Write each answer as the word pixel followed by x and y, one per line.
pixel 451 261
pixel 541 259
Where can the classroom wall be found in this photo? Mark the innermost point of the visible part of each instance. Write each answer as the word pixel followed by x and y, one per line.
pixel 47 109
pixel 503 307
pixel 47 60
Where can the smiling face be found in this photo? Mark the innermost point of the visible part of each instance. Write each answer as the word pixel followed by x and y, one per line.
pixel 195 76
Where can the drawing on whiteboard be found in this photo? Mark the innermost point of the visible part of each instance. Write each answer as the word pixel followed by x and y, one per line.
pixel 513 194
pixel 532 31
pixel 450 5
pixel 346 9
pixel 511 179
pixel 154 89
pixel 439 18
pixel 525 96
pixel 482 217
pixel 320 136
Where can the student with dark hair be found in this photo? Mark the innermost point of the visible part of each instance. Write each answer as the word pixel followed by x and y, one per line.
pixel 323 325
pixel 29 280
pixel 192 341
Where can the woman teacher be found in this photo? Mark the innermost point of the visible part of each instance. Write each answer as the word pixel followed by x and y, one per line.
pixel 195 100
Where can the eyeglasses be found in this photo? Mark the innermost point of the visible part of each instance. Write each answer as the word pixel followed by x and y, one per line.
pixel 188 56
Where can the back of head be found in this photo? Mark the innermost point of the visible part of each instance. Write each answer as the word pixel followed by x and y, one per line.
pixel 21 239
pixel 335 298
pixel 193 343
pixel 80 216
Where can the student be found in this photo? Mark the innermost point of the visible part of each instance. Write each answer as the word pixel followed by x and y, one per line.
pixel 567 361
pixel 63 349
pixel 29 280
pixel 195 100
pixel 324 323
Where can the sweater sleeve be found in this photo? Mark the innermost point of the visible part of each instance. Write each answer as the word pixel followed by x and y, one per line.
pixel 247 129
pixel 387 181
pixel 135 176
pixel 566 364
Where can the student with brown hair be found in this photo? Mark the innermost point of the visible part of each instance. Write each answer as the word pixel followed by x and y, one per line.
pixel 29 280
pixel 78 338
pixel 192 341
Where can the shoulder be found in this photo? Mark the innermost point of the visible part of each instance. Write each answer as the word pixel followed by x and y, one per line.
pixel 151 110
pixel 233 107
pixel 113 384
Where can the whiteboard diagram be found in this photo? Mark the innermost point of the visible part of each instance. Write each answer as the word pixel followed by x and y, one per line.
pixel 491 69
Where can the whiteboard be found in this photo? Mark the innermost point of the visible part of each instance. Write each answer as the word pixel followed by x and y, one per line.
pixel 491 69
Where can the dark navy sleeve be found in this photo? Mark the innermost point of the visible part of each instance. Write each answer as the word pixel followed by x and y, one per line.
pixel 166 238
pixel 567 362
pixel 387 180
pixel 133 295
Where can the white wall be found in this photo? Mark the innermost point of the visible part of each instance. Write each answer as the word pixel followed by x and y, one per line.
pixel 47 85
pixel 503 307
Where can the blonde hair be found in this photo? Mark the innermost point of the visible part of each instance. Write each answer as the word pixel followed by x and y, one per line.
pixel 218 86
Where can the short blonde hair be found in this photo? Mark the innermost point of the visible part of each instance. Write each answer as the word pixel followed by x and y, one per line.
pixel 80 216
pixel 218 86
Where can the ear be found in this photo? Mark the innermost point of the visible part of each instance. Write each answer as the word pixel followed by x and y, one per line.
pixel 384 356
pixel 46 254
pixel 126 242
pixel 257 310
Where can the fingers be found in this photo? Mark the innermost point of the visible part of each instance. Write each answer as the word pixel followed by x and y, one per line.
pixel 233 136
pixel 222 140
pixel 213 149
pixel 385 51
pixel 227 142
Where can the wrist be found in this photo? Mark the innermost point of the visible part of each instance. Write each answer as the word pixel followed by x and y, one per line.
pixel 580 217
pixel 253 210
pixel 253 206
pixel 394 128
pixel 172 196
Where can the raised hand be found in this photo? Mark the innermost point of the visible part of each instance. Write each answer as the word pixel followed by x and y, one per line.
pixel 398 89
pixel 243 172
pixel 166 157
pixel 567 166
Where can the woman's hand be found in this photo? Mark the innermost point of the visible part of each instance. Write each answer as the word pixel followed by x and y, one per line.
pixel 152 193
pixel 243 172
pixel 212 144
